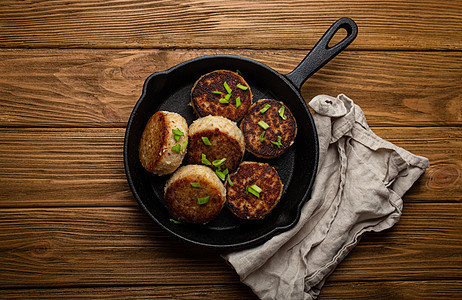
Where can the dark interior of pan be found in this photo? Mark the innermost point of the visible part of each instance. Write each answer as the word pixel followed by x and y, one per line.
pixel 170 91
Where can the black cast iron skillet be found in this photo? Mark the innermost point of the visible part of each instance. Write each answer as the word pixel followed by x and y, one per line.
pixel 170 90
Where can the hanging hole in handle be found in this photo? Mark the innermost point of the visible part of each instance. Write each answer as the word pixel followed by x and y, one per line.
pixel 338 37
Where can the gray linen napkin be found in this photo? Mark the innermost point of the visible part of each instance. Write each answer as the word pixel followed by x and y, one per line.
pixel 358 188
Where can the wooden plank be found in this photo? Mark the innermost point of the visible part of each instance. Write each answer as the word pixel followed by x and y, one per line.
pixel 105 246
pixel 418 290
pixel 59 247
pixel 332 290
pixel 84 167
pixel 407 249
pixel 59 167
pixel 443 180
pixel 100 87
pixel 259 24
pixel 166 291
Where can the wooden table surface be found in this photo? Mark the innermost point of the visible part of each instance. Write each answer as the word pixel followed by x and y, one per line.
pixel 71 72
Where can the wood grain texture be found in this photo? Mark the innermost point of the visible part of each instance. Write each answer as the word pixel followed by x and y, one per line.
pixel 72 70
pixel 120 246
pixel 84 167
pixel 161 291
pixel 386 290
pixel 406 248
pixel 63 168
pixel 332 290
pixel 100 87
pixel 234 24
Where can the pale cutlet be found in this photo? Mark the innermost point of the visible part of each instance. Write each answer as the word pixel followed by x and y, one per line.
pixel 194 194
pixel 163 143
pixel 221 93
pixel 216 142
pixel 269 128
pixel 253 190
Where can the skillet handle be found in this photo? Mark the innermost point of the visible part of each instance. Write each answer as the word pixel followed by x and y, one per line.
pixel 321 53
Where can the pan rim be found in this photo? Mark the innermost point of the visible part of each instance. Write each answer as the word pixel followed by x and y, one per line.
pixel 239 244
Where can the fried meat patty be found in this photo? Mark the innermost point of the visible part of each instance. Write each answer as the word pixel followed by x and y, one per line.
pixel 256 189
pixel 269 128
pixel 213 138
pixel 194 194
pixel 161 151
pixel 224 86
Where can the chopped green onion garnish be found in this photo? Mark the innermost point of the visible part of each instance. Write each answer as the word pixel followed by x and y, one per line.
pixel 217 92
pixel 177 132
pixel 238 102
pixel 256 188
pixel 263 125
pixel 264 109
pixel 176 148
pixel 206 141
pixel 262 136
pixel 242 87
pixel 229 181
pixel 227 96
pixel 203 200
pixel 174 221
pixel 223 100
pixel 238 72
pixel 185 144
pixel 220 174
pixel 219 162
pixel 205 161
pixel 195 184
pixel 281 112
pixel 226 171
pixel 227 88
pixel 276 167
pixel 253 192
pixel 278 143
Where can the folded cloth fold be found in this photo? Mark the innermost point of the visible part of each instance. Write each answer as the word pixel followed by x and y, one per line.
pixel 358 188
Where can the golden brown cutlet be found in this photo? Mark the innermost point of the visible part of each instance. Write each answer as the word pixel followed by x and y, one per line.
pixel 256 189
pixel 158 143
pixel 211 88
pixel 194 194
pixel 217 138
pixel 269 128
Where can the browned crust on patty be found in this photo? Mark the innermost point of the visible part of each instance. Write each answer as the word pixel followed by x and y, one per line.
pixel 222 146
pixel 244 204
pixel 286 129
pixel 156 151
pixel 149 151
pixel 207 103
pixel 181 198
